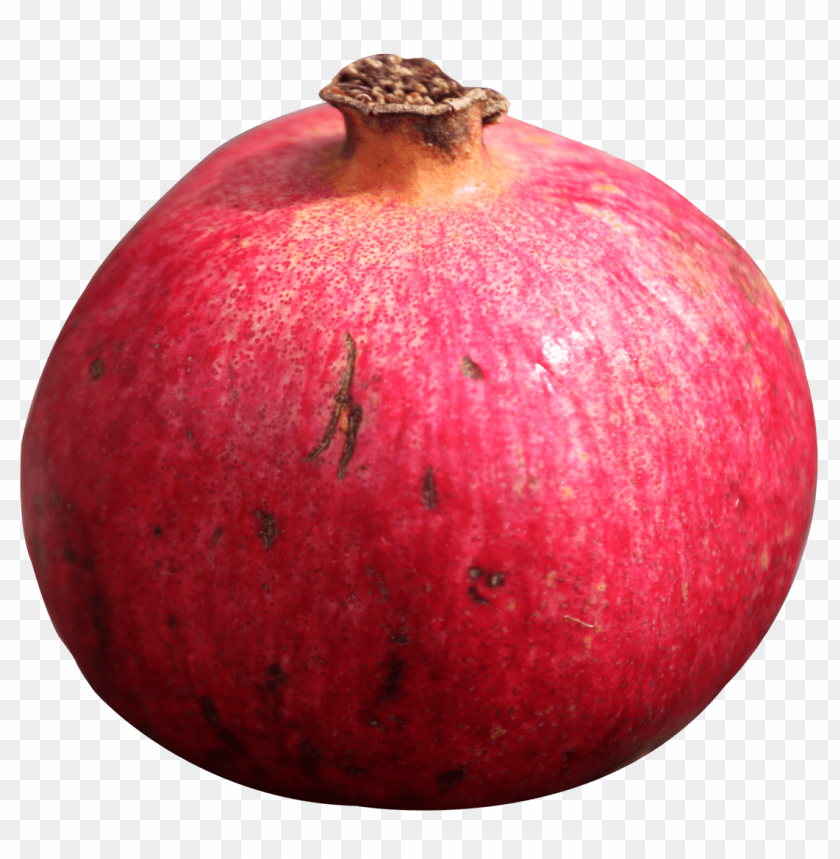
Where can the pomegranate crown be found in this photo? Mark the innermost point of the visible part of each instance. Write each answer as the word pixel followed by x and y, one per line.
pixel 386 83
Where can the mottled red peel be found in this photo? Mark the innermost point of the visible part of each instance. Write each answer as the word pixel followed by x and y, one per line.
pixel 543 560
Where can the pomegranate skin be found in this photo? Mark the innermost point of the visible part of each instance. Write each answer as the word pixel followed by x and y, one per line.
pixel 583 474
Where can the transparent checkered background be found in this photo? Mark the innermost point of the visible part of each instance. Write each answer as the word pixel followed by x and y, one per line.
pixel 105 105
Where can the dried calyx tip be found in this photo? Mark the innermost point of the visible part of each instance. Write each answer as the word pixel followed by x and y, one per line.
pixel 386 83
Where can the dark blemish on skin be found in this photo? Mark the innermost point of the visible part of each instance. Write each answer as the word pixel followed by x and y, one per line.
pixel 475 573
pixel 309 757
pixel 191 437
pixel 449 779
pixel 275 675
pixel 496 580
pixel 70 556
pixel 399 638
pixel 393 679
pixel 470 369
pixel 231 741
pixel 220 756
pixel 158 531
pixel 149 731
pixel 216 537
pixel 268 528
pixel 354 771
pixel 475 596
pixel 343 403
pixel 97 368
pixel 218 759
pixel 40 553
pixel 173 624
pixel 429 490
pixel 209 710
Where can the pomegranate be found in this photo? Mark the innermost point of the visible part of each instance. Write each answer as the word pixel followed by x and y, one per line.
pixel 406 457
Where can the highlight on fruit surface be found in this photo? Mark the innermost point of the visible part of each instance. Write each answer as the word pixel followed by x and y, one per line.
pixel 408 455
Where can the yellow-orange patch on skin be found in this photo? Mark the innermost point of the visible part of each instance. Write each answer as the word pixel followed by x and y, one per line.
pixel 788 530
pixel 685 591
pixel 765 559
pixel 610 218
pixel 497 732
pixel 610 189
pixel 549 579
pixel 567 492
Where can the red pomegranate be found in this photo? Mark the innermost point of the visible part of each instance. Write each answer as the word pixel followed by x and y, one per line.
pixel 405 458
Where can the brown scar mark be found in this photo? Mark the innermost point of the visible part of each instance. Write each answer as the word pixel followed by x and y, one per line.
pixel 268 528
pixel 470 369
pixel 429 490
pixel 97 368
pixel 449 779
pixel 475 573
pixel 274 675
pixel 496 580
pixel 209 710
pixel 342 399
pixel 400 637
pixel 393 679
pixel 343 403
pixel 475 596
pixel 217 534
pixel 354 419
pixel 309 757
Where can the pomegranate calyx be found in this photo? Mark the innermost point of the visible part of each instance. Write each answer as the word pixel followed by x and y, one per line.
pixel 386 83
